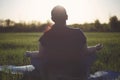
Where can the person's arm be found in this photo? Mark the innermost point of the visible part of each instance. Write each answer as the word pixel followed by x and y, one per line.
pixel 41 50
pixel 95 48
pixel 92 49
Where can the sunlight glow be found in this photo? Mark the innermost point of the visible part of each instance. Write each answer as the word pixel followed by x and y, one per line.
pixel 79 11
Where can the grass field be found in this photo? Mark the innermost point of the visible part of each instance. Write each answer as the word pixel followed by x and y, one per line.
pixel 14 45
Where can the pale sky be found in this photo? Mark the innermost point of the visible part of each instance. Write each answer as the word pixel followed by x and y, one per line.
pixel 79 11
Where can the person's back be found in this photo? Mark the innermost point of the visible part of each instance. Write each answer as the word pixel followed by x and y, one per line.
pixel 63 50
pixel 63 44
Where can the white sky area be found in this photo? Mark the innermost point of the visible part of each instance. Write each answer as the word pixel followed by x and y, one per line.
pixel 79 11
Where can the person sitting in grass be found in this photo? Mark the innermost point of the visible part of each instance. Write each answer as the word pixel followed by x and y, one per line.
pixel 64 50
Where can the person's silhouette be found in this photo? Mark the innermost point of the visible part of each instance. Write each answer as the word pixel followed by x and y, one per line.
pixel 62 40
pixel 63 46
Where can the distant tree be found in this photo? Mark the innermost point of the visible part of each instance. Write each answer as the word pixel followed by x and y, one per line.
pixel 106 27
pixel 119 25
pixel 7 22
pixel 1 23
pixel 114 23
pixel 98 25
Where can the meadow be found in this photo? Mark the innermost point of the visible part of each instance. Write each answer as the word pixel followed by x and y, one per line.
pixel 14 45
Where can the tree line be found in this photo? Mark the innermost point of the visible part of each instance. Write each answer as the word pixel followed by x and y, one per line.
pixel 112 26
pixel 11 26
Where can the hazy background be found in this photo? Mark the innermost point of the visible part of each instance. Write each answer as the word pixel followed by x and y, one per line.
pixel 79 11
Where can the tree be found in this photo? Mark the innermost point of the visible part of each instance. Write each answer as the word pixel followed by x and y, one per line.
pixel 98 25
pixel 7 22
pixel 114 23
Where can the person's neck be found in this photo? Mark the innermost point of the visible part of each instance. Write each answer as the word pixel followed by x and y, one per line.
pixel 60 24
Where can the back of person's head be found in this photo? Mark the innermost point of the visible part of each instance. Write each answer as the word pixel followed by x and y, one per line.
pixel 58 13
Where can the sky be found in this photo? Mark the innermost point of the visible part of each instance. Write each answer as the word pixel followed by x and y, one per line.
pixel 79 11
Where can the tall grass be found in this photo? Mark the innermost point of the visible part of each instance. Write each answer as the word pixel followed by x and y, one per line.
pixel 14 45
pixel 12 49
pixel 109 56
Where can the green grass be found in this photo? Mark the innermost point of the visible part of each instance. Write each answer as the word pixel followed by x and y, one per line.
pixel 14 45
pixel 109 56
